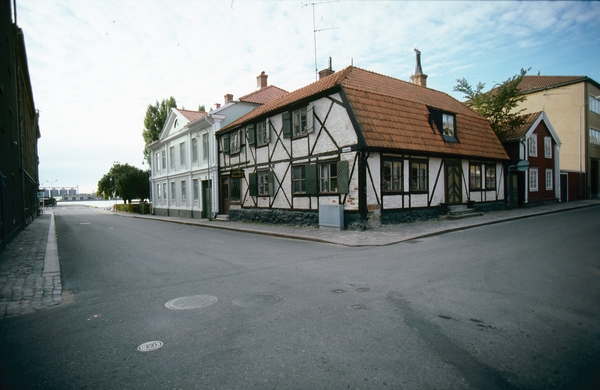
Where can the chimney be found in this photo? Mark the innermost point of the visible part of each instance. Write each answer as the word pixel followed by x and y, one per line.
pixel 228 98
pixel 217 105
pixel 326 72
pixel 261 80
pixel 419 77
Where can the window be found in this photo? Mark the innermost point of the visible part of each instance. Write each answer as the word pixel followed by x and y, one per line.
pixel 418 176
pixel 532 142
pixel 195 189
pixel 548 179
pixel 165 199
pixel 490 176
pixel 533 179
pixel 264 183
pixel 172 157
pixel 595 136
pixel 205 146
pixel 157 158
pixel 158 194
pixel 448 125
pixel 547 147
pixel 263 133
pixel 301 122
pixel 328 177
pixel 172 192
pixel 299 179
pixel 183 193
pixel 164 159
pixel 182 154
pixel 392 176
pixel 231 142
pixel 475 177
pixel 235 189
pixel 194 149
pixel 594 105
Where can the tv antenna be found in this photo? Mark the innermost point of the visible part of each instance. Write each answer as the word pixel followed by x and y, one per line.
pixel 315 31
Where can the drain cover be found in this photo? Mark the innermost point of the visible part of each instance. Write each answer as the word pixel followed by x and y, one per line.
pixel 191 302
pixel 150 346
pixel 338 291
pixel 363 289
pixel 256 300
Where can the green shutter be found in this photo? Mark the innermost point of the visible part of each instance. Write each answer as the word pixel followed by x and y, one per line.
pixel 311 179
pixel 268 130
pixel 226 144
pixel 271 183
pixel 343 173
pixel 250 130
pixel 287 125
pixel 253 184
pixel 310 118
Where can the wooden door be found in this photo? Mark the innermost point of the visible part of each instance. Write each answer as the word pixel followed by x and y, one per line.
pixel 453 183
pixel 225 195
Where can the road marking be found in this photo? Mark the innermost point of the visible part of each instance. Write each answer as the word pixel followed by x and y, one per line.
pixel 150 346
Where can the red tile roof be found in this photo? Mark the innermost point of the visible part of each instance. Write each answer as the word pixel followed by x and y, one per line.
pixel 521 131
pixel 534 83
pixel 192 115
pixel 393 114
pixel 264 95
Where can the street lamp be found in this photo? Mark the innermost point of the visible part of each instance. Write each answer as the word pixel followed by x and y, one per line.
pixel 580 145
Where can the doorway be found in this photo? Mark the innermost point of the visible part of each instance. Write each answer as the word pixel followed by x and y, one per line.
pixel 225 195
pixel 453 183
pixel 206 199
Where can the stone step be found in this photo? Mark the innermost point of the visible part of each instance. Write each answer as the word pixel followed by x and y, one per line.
pixel 462 215
pixel 222 217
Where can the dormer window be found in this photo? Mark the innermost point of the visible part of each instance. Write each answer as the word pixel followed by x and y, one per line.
pixel 448 125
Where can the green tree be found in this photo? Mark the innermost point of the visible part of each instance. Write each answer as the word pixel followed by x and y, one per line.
pixel 124 181
pixel 498 104
pixel 201 108
pixel 156 116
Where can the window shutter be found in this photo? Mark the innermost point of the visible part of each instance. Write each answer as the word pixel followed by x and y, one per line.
pixel 253 184
pixel 268 130
pixel 343 176
pixel 226 144
pixel 287 125
pixel 310 118
pixel 242 138
pixel 311 179
pixel 271 183
pixel 251 131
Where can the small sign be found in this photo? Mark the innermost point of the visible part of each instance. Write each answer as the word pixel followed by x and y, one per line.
pixel 522 165
pixel 237 174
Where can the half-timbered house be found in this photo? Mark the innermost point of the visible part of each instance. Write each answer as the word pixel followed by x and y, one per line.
pixel 536 142
pixel 364 145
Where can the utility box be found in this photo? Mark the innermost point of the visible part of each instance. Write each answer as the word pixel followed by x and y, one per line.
pixel 331 216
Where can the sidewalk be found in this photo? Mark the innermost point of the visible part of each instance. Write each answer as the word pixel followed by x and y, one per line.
pixel 30 271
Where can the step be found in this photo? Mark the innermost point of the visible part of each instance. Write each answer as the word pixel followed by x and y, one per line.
pixel 461 215
pixel 222 217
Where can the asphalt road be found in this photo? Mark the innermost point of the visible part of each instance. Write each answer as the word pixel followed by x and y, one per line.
pixel 506 306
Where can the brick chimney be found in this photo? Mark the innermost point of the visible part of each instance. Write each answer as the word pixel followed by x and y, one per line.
pixel 419 77
pixel 228 98
pixel 261 80
pixel 326 72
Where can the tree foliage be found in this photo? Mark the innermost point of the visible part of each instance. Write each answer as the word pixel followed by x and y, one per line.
pixel 156 116
pixel 498 104
pixel 125 181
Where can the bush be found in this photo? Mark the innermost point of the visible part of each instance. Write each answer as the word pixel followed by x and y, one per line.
pixel 133 208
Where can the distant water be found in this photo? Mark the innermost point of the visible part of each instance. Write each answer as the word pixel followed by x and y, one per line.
pixel 102 204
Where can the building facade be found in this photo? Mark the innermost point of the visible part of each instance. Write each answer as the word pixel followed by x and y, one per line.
pixel 19 132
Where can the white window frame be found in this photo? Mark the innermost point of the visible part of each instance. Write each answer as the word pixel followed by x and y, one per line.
pixel 594 105
pixel 533 179
pixel 448 125
pixel 205 146
pixel 163 154
pixel 173 193
pixel 194 149
pixel 263 183
pixel 165 194
pixel 172 157
pixel 196 189
pixel 158 194
pixel 532 145
pixel 183 187
pixel 182 154
pixel 549 179
pixel 547 147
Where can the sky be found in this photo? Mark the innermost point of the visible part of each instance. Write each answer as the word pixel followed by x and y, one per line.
pixel 95 66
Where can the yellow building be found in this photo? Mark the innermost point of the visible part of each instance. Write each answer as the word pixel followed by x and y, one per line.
pixel 572 103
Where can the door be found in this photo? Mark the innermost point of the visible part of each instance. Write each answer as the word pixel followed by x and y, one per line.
pixel 453 183
pixel 564 187
pixel 594 178
pixel 513 190
pixel 206 199
pixel 225 195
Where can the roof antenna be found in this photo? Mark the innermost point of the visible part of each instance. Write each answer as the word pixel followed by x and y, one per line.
pixel 315 31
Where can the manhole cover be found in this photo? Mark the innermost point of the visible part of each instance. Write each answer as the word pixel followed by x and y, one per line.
pixel 358 307
pixel 256 300
pixel 150 346
pixel 363 289
pixel 191 302
pixel 338 291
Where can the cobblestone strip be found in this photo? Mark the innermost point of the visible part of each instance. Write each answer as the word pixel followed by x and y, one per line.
pixel 24 286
